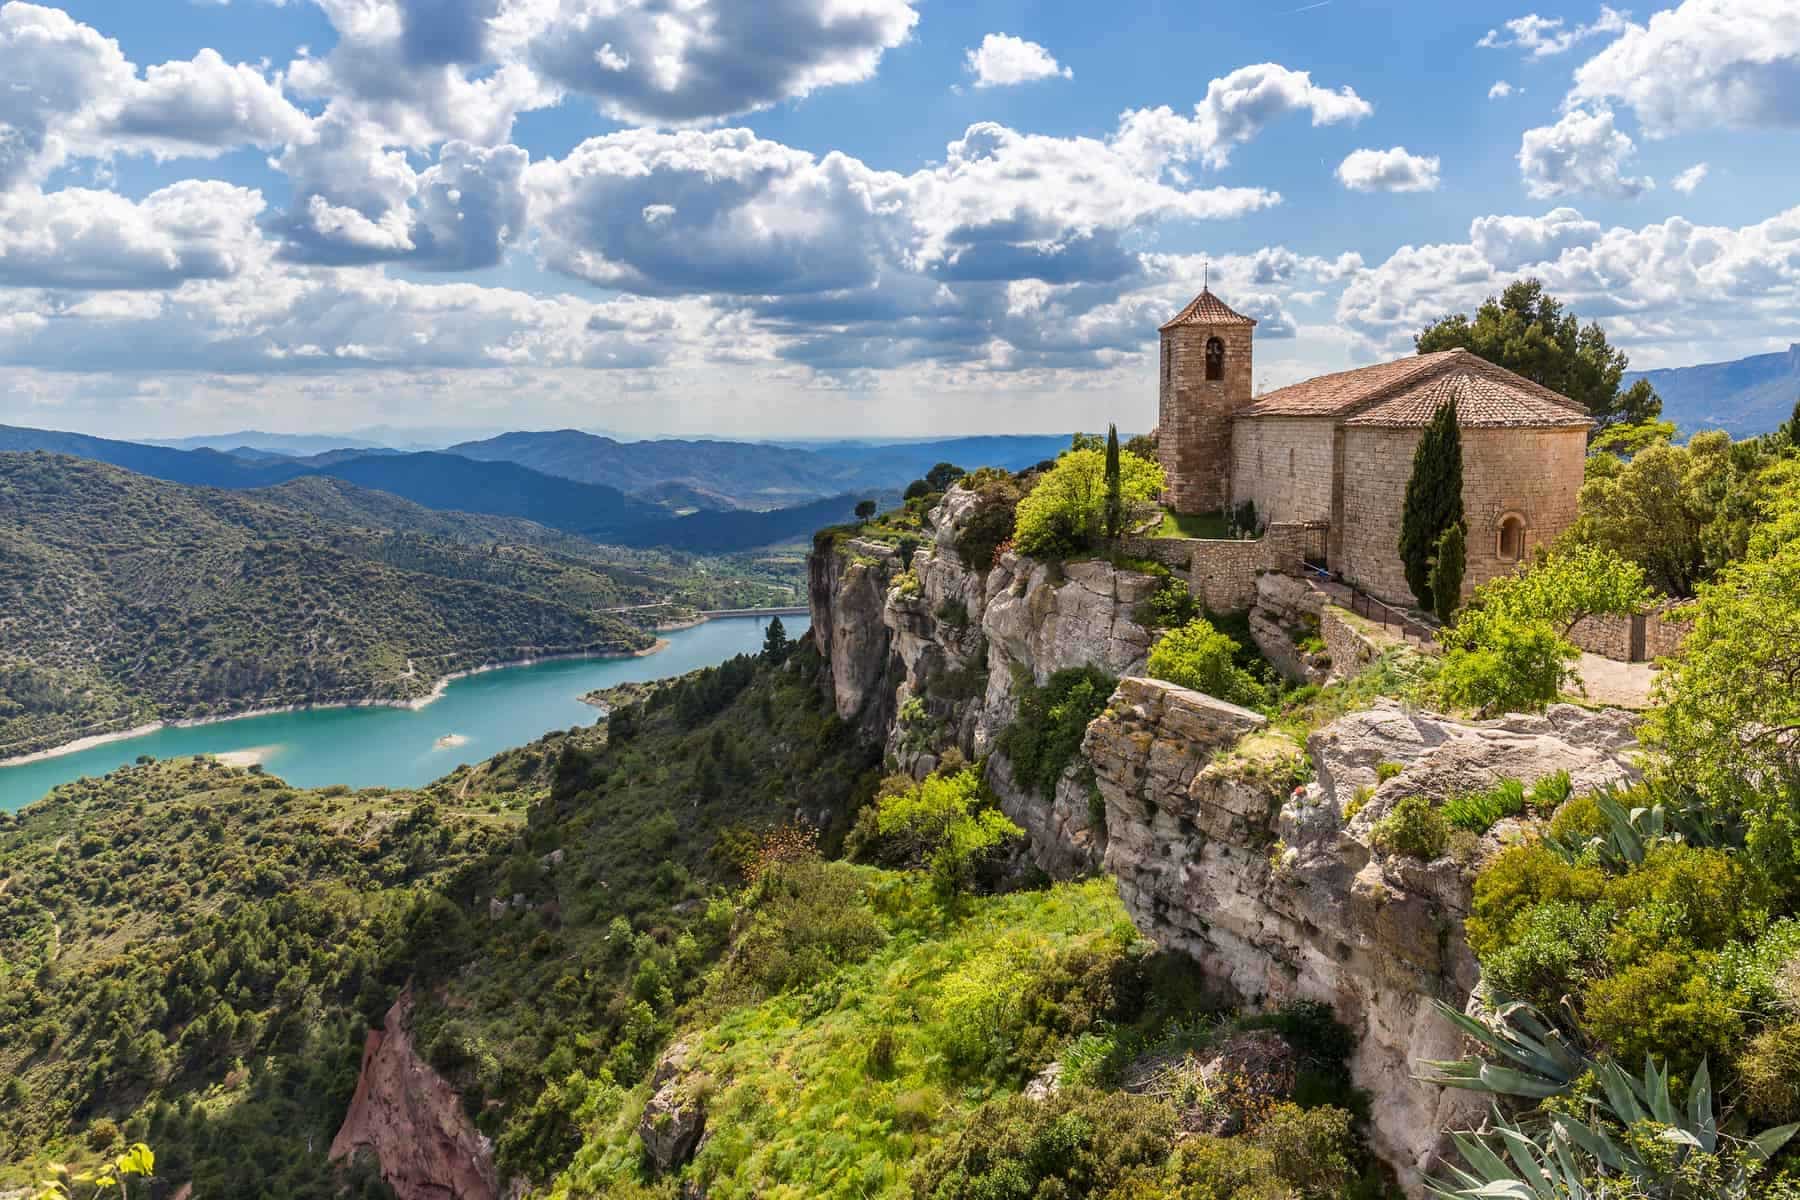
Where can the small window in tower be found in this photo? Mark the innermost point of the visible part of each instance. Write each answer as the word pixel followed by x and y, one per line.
pixel 1215 358
pixel 1512 538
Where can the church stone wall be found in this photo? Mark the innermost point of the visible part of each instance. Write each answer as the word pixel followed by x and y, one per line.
pixel 1194 413
pixel 1284 465
pixel 1534 474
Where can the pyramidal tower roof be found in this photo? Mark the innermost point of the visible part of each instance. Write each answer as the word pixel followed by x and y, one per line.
pixel 1208 309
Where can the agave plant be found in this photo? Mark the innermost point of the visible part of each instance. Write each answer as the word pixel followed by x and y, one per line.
pixel 1633 830
pixel 1636 1141
pixel 1531 1058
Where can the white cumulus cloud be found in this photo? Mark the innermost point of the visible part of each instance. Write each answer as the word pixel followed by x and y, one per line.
pixel 88 239
pixel 1541 37
pixel 1703 64
pixel 1392 170
pixel 1582 152
pixel 1501 90
pixel 1003 60
pixel 1688 180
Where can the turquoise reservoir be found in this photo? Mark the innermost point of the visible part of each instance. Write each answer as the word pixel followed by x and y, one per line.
pixel 475 718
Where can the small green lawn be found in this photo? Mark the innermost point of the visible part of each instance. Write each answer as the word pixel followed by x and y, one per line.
pixel 1211 525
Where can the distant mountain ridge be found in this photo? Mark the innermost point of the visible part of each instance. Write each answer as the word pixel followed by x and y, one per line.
pixel 453 483
pixel 1743 397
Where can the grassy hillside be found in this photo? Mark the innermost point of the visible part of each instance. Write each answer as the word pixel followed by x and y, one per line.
pixel 191 953
pixel 124 599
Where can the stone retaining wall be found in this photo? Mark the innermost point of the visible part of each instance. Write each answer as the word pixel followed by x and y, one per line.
pixel 1222 572
pixel 1611 636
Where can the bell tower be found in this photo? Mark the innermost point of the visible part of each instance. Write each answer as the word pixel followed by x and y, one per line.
pixel 1204 379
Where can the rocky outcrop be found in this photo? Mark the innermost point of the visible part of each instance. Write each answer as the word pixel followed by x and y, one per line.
pixel 412 1121
pixel 1287 612
pixel 1065 836
pixel 675 1115
pixel 958 640
pixel 1221 851
pixel 1042 618
pixel 847 588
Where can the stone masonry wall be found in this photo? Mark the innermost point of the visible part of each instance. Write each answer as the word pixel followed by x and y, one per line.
pixel 1194 414
pixel 1283 464
pixel 1610 636
pixel 1532 473
pixel 1222 573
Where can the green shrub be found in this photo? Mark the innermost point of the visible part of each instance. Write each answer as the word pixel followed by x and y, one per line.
pixel 1518 878
pixel 946 823
pixel 1769 1070
pixel 1170 606
pixel 1387 770
pixel 1414 828
pixel 1046 735
pixel 1550 952
pixel 1063 514
pixel 1478 811
pixel 991 525
pixel 1551 792
pixel 1666 1005
pixel 807 919
pixel 1500 664
pixel 1199 657
pixel 1076 1143
pixel 1577 820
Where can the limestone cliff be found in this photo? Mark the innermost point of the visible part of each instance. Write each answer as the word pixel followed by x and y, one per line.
pixel 1228 841
pixel 930 653
pixel 1220 850
pixel 411 1120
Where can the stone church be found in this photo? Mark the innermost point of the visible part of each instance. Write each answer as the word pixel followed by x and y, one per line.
pixel 1336 452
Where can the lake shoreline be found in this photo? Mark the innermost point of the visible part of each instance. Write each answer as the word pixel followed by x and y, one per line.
pixel 437 691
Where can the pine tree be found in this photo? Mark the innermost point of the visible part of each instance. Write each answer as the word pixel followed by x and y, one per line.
pixel 1115 497
pixel 1449 562
pixel 775 642
pixel 1433 500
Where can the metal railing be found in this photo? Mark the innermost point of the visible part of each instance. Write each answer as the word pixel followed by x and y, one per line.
pixel 1366 606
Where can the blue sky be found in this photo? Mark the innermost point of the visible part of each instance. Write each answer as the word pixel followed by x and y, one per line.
pixel 833 217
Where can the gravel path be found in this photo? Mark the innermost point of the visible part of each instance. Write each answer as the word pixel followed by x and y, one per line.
pixel 1627 685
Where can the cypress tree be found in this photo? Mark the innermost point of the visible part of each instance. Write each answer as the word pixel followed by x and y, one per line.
pixel 1433 500
pixel 1447 569
pixel 1115 497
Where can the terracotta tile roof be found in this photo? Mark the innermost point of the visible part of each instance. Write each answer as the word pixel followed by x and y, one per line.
pixel 1207 309
pixel 1408 391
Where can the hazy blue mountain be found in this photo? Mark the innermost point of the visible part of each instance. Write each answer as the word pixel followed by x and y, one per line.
pixel 1746 396
pixel 294 445
pixel 897 464
pixel 746 474
pixel 450 482
pixel 752 474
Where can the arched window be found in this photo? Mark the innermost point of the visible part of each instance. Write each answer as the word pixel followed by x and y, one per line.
pixel 1511 546
pixel 1215 358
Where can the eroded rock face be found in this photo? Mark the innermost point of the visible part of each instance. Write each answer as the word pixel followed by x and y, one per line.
pixel 1062 837
pixel 675 1115
pixel 959 643
pixel 1218 853
pixel 1043 618
pixel 846 592
pixel 412 1121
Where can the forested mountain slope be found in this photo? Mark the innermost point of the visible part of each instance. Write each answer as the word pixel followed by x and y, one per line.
pixel 123 599
pixel 191 954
